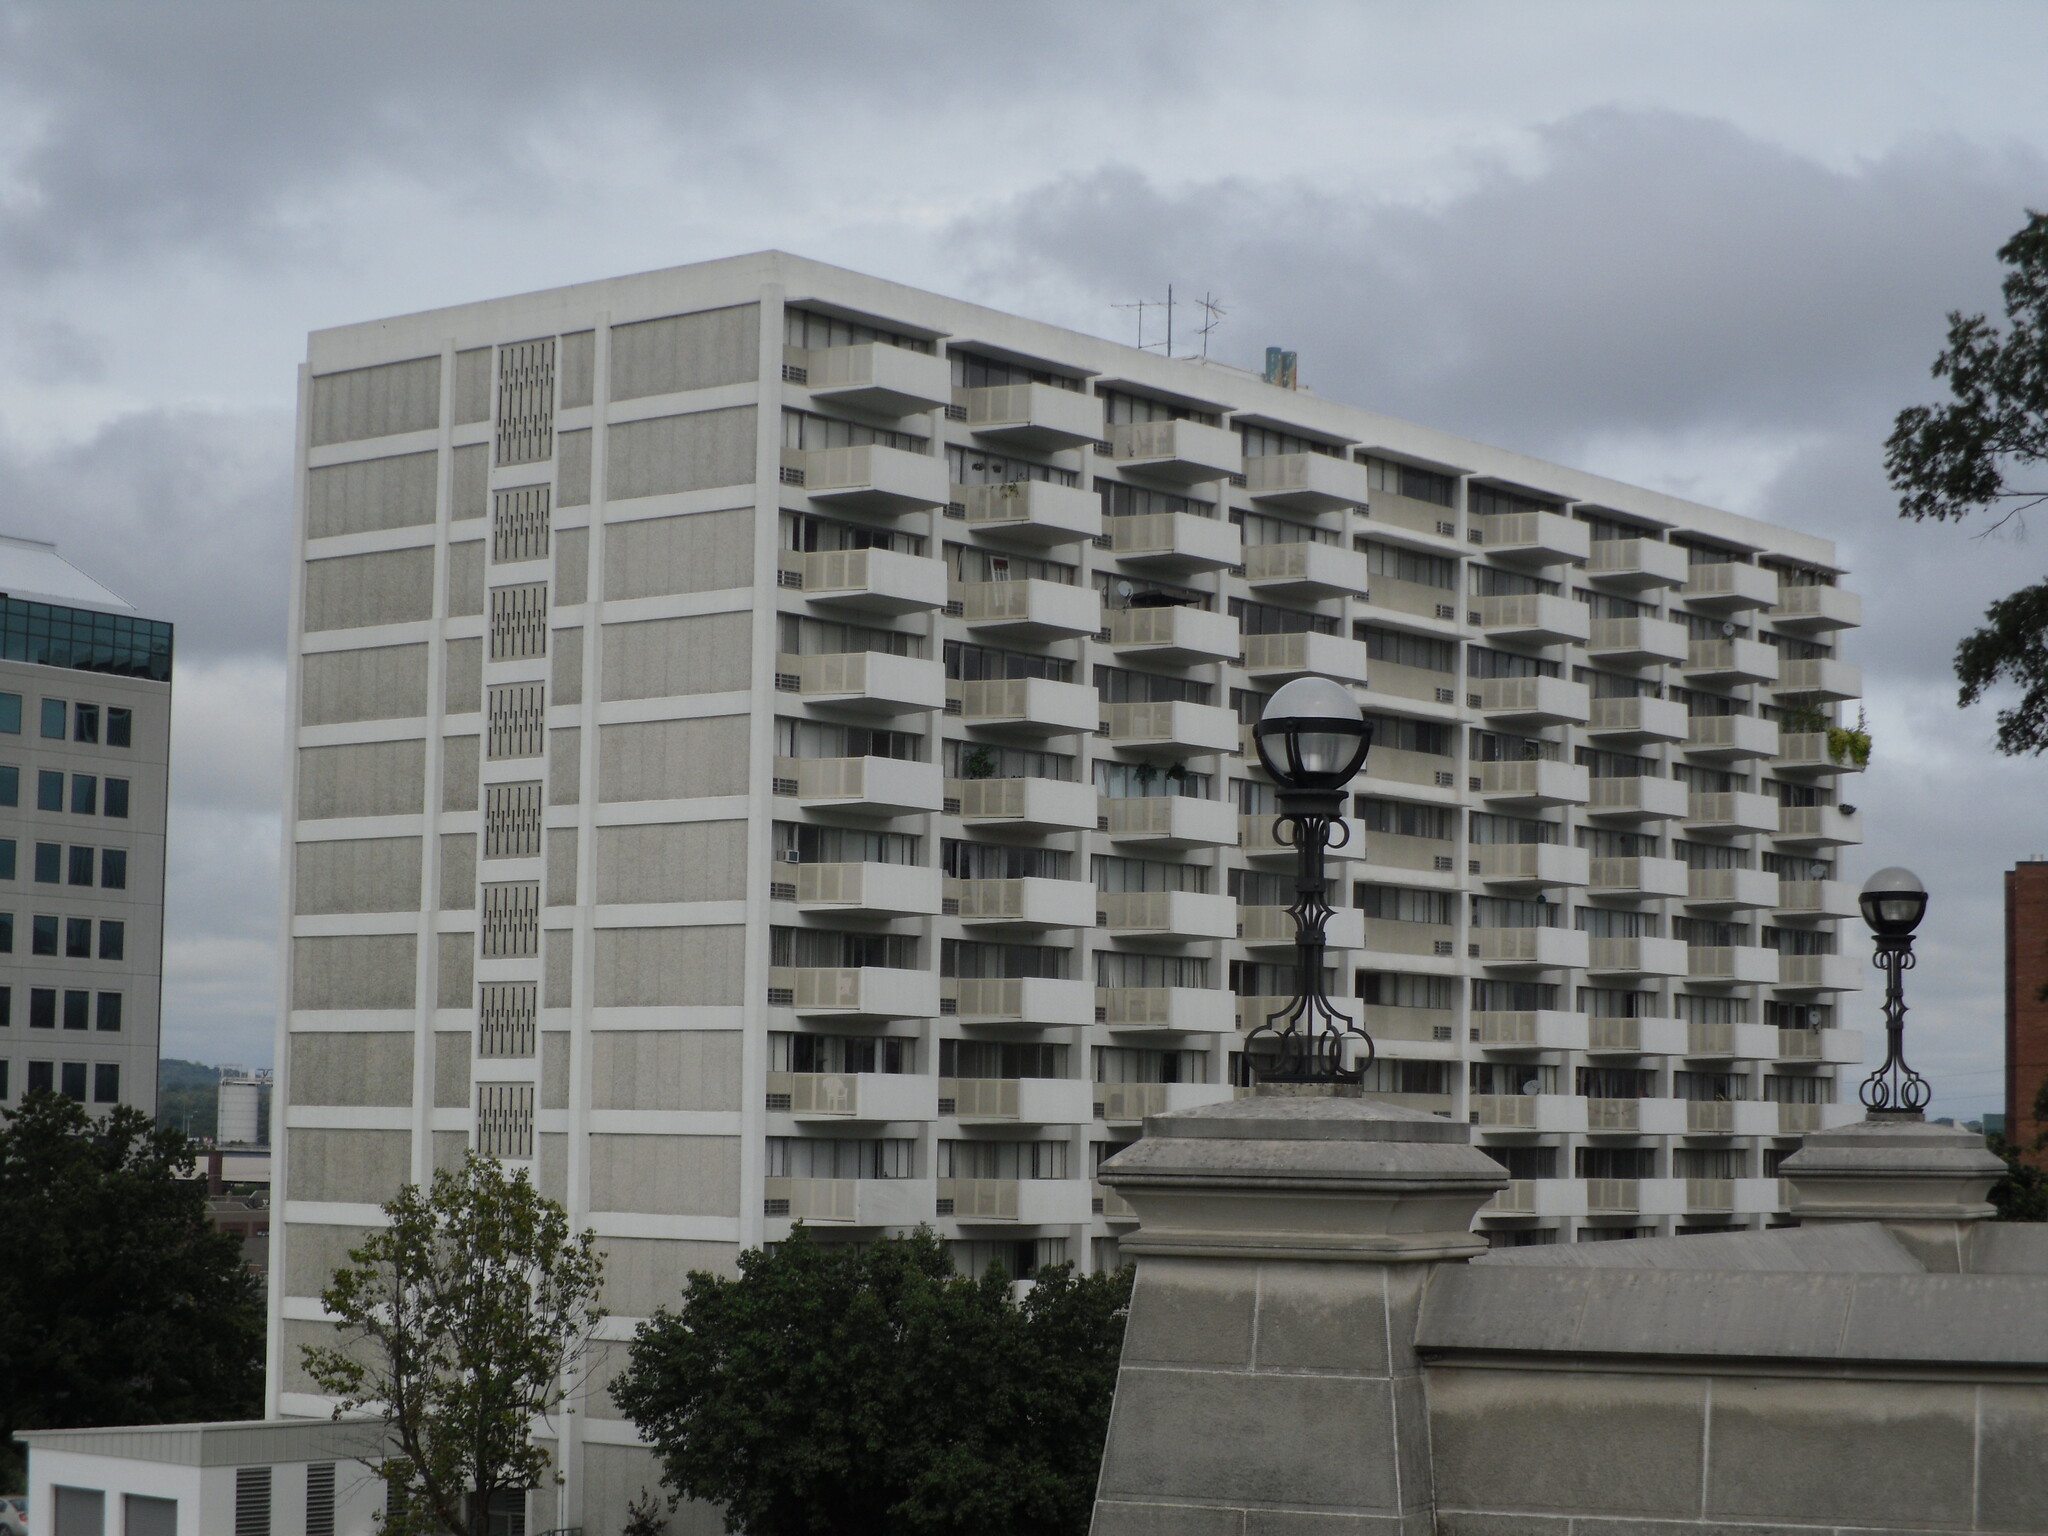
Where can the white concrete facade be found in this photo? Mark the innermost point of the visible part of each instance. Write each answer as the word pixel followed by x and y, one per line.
pixel 734 707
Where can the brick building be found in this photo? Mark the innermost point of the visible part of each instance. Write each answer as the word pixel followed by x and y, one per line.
pixel 2026 1010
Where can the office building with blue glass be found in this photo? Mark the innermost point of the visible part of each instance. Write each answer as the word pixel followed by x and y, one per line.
pixel 85 725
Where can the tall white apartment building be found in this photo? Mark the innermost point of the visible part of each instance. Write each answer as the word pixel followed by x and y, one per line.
pixel 770 746
pixel 85 737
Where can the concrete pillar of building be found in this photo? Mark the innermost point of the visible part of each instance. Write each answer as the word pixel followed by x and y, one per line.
pixel 1269 1378
pixel 1926 1183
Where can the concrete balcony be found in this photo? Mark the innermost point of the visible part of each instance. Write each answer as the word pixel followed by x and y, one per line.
pixel 1271 658
pixel 1637 799
pixel 1257 838
pixel 1035 706
pixel 1175 541
pixel 1030 610
pixel 1727 588
pixel 1185 916
pixel 1173 1010
pixel 1731 889
pixel 1017 1100
pixel 1820 678
pixel 867 479
pixel 867 1097
pixel 1731 736
pixel 873 376
pixel 1817 608
pixel 1534 618
pixel 1305 570
pixel 1638 642
pixel 1532 865
pixel 1024 805
pixel 1536 1197
pixel 1128 1103
pixel 1732 965
pixel 1728 1117
pixel 1042 417
pixel 1034 512
pixel 1634 1117
pixel 1613 1197
pixel 1111 1206
pixel 1818 826
pixel 866 786
pixel 1726 662
pixel 1170 727
pixel 1183 637
pixel 1022 1202
pixel 1529 1030
pixel 1816 899
pixel 1543 949
pixel 849 1202
pixel 871 682
pixel 1637 719
pixel 1533 538
pixel 1636 957
pixel 878 890
pixel 1747 1042
pixel 1031 1002
pixel 1026 902
pixel 1637 563
pixel 1168 821
pixel 1637 879
pixel 1812 752
pixel 1820 973
pixel 1731 811
pixel 1266 927
pixel 854 992
pixel 872 580
pixel 1607 1035
pixel 1534 701
pixel 1542 1113
pixel 1305 482
pixel 1709 1197
pixel 1180 451
pixel 1800 1119
pixel 1843 1047
pixel 1536 782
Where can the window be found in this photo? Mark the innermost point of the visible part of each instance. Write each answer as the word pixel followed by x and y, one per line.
pixel 804 430
pixel 85 794
pixel 840 1157
pixel 3 1079
pixel 71 1080
pixel 6 1013
pixel 1112 874
pixel 49 863
pixel 117 797
pixel 1415 484
pixel 80 866
pixel 840 1053
pixel 1114 970
pixel 78 938
pixel 10 785
pixel 142 1515
pixel 43 935
pixel 120 726
pixel 1396 989
pixel 1404 904
pixel 80 1511
pixel 42 1008
pixel 1397 564
pixel 85 724
pixel 49 790
pixel 113 940
pixel 42 1075
pixel 802 328
pixel 1513 996
pixel 975 960
pixel 106 1083
pixel 830 949
pixel 998 861
pixel 971 466
pixel 107 1017
pixel 53 719
pixel 10 713
pixel 114 869
pixel 1405 650
pixel 6 933
pixel 1003 1160
pixel 77 1008
pixel 1001 1059
pixel 6 858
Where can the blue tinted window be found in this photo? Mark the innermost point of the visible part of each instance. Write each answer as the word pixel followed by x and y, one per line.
pixel 78 938
pixel 10 713
pixel 77 1010
pixel 71 1080
pixel 39 1075
pixel 49 862
pixel 51 636
pixel 42 1014
pixel 114 868
pixel 109 1015
pixel 6 933
pixel 10 784
pixel 49 790
pixel 80 871
pixel 113 940
pixel 85 794
pixel 106 1089
pixel 43 936
pixel 53 719
pixel 6 858
pixel 120 726
pixel 85 724
pixel 117 797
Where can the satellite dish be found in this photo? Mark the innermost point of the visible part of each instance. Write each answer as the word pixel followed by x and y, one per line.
pixel 1532 1086
pixel 1727 627
pixel 1124 590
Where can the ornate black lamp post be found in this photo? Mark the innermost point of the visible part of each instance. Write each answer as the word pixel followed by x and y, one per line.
pixel 1893 902
pixel 1312 738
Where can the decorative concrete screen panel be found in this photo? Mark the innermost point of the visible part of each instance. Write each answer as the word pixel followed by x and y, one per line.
pixel 679 861
pixel 681 352
pixel 353 1068
pixel 392 586
pixel 673 759
pixel 386 682
pixel 657 658
pixel 375 402
pixel 354 971
pixel 659 556
pixel 669 967
pixel 669 454
pixel 370 495
pixel 371 778
pixel 371 874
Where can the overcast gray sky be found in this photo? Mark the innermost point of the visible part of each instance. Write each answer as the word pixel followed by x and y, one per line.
pixel 1705 247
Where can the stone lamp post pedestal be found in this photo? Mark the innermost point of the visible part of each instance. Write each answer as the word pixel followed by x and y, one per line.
pixel 1926 1183
pixel 1269 1380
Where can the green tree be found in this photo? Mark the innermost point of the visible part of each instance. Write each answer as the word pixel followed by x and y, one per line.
pixel 1947 461
pixel 2022 1195
pixel 119 1302
pixel 462 1320
pixel 855 1391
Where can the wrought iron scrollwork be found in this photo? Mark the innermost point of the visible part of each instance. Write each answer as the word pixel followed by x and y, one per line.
pixel 1895 1087
pixel 1306 1042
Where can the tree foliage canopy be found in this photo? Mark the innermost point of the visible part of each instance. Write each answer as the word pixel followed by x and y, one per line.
pixel 1947 461
pixel 462 1320
pixel 119 1302
pixel 862 1390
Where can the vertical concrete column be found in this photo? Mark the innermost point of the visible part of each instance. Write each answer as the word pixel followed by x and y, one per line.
pixel 1269 1381
pixel 1926 1183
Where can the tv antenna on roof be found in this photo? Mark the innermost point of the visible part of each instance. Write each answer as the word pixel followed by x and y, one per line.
pixel 1141 305
pixel 1214 314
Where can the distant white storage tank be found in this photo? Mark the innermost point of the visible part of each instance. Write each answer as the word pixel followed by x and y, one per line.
pixel 238 1118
